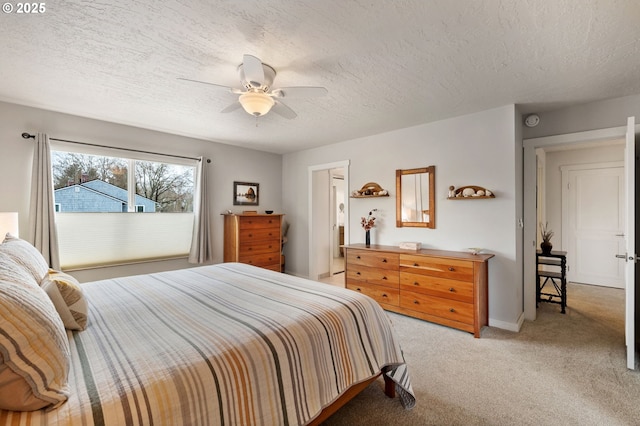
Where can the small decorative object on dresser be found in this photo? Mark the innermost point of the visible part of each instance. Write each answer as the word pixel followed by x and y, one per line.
pixel 368 223
pixel 410 246
pixel 445 287
pixel 254 238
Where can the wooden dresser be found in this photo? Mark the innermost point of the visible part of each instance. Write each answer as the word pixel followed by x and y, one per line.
pixel 254 239
pixel 445 287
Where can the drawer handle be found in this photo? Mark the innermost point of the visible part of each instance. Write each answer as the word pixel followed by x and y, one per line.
pixel 384 278
pixel 357 273
pixel 451 268
pixel 384 260
pixel 415 264
pixel 357 257
pixel 415 302
pixel 451 310
pixel 452 290
pixel 250 248
pixel 416 283
pixel 358 289
pixel 384 295
pixel 250 235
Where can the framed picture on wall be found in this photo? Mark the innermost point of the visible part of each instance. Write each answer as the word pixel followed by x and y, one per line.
pixel 245 193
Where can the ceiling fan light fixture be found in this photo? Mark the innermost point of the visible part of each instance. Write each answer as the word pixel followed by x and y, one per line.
pixel 256 103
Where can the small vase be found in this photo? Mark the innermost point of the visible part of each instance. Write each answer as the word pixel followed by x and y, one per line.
pixel 367 238
pixel 546 247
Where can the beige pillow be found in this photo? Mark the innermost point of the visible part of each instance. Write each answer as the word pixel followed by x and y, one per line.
pixel 26 255
pixel 34 348
pixel 66 295
pixel 11 271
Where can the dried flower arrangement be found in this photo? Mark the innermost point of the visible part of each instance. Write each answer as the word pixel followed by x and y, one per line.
pixel 368 222
pixel 545 232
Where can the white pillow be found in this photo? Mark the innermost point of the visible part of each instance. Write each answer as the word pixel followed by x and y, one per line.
pixel 25 255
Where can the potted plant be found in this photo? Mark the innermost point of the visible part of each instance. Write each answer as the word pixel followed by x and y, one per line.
pixel 546 234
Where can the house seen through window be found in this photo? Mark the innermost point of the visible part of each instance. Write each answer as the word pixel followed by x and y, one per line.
pixel 92 183
pixel 98 201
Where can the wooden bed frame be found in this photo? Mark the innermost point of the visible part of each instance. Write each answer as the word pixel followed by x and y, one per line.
pixel 352 392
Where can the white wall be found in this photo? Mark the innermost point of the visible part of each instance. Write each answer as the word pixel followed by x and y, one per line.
pixel 476 149
pixel 228 164
pixel 589 116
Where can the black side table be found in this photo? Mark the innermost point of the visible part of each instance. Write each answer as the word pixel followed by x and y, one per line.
pixel 557 278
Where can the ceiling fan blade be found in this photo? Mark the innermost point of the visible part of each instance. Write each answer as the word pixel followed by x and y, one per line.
pixel 283 110
pixel 206 82
pixel 253 71
pixel 234 106
pixel 300 92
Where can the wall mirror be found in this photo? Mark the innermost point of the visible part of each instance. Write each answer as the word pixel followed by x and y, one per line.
pixel 415 197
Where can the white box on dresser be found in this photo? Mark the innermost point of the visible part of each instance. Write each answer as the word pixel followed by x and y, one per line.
pixel 444 287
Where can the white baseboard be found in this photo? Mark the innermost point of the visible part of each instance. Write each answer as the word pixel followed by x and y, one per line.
pixel 510 326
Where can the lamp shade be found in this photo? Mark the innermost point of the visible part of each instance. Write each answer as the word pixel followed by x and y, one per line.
pixel 256 103
pixel 8 223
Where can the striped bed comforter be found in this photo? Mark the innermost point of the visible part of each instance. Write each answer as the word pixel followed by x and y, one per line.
pixel 228 344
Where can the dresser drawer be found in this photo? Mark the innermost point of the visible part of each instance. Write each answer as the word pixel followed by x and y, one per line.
pixel 254 234
pixel 380 294
pixel 437 306
pixel 258 247
pixel 438 267
pixel 260 222
pixel 436 286
pixel 261 259
pixel 373 259
pixel 379 276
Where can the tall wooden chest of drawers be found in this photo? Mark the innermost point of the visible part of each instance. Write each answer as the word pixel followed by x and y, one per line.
pixel 445 287
pixel 255 239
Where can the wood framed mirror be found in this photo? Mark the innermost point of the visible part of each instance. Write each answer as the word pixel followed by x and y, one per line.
pixel 415 197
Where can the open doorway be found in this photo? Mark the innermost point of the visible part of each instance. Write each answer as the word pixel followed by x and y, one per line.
pixel 337 221
pixel 532 150
pixel 328 218
pixel 581 198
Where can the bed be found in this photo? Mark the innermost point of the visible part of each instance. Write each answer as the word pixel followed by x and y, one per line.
pixel 226 344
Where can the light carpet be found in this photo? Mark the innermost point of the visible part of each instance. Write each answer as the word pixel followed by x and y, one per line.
pixel 558 370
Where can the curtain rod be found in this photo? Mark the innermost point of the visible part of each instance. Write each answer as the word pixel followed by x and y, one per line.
pixel 26 135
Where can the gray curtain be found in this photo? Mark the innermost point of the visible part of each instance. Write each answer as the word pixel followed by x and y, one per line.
pixel 201 249
pixel 42 216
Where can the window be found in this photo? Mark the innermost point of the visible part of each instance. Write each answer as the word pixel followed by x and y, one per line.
pixel 114 210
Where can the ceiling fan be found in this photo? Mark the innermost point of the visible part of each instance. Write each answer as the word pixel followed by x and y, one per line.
pixel 257 97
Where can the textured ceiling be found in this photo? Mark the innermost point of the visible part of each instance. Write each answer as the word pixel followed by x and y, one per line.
pixel 386 64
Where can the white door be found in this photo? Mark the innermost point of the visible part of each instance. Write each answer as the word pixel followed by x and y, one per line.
pixel 630 252
pixel 596 215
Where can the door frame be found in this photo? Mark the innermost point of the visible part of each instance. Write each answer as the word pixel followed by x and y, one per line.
pixel 315 203
pixel 529 201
